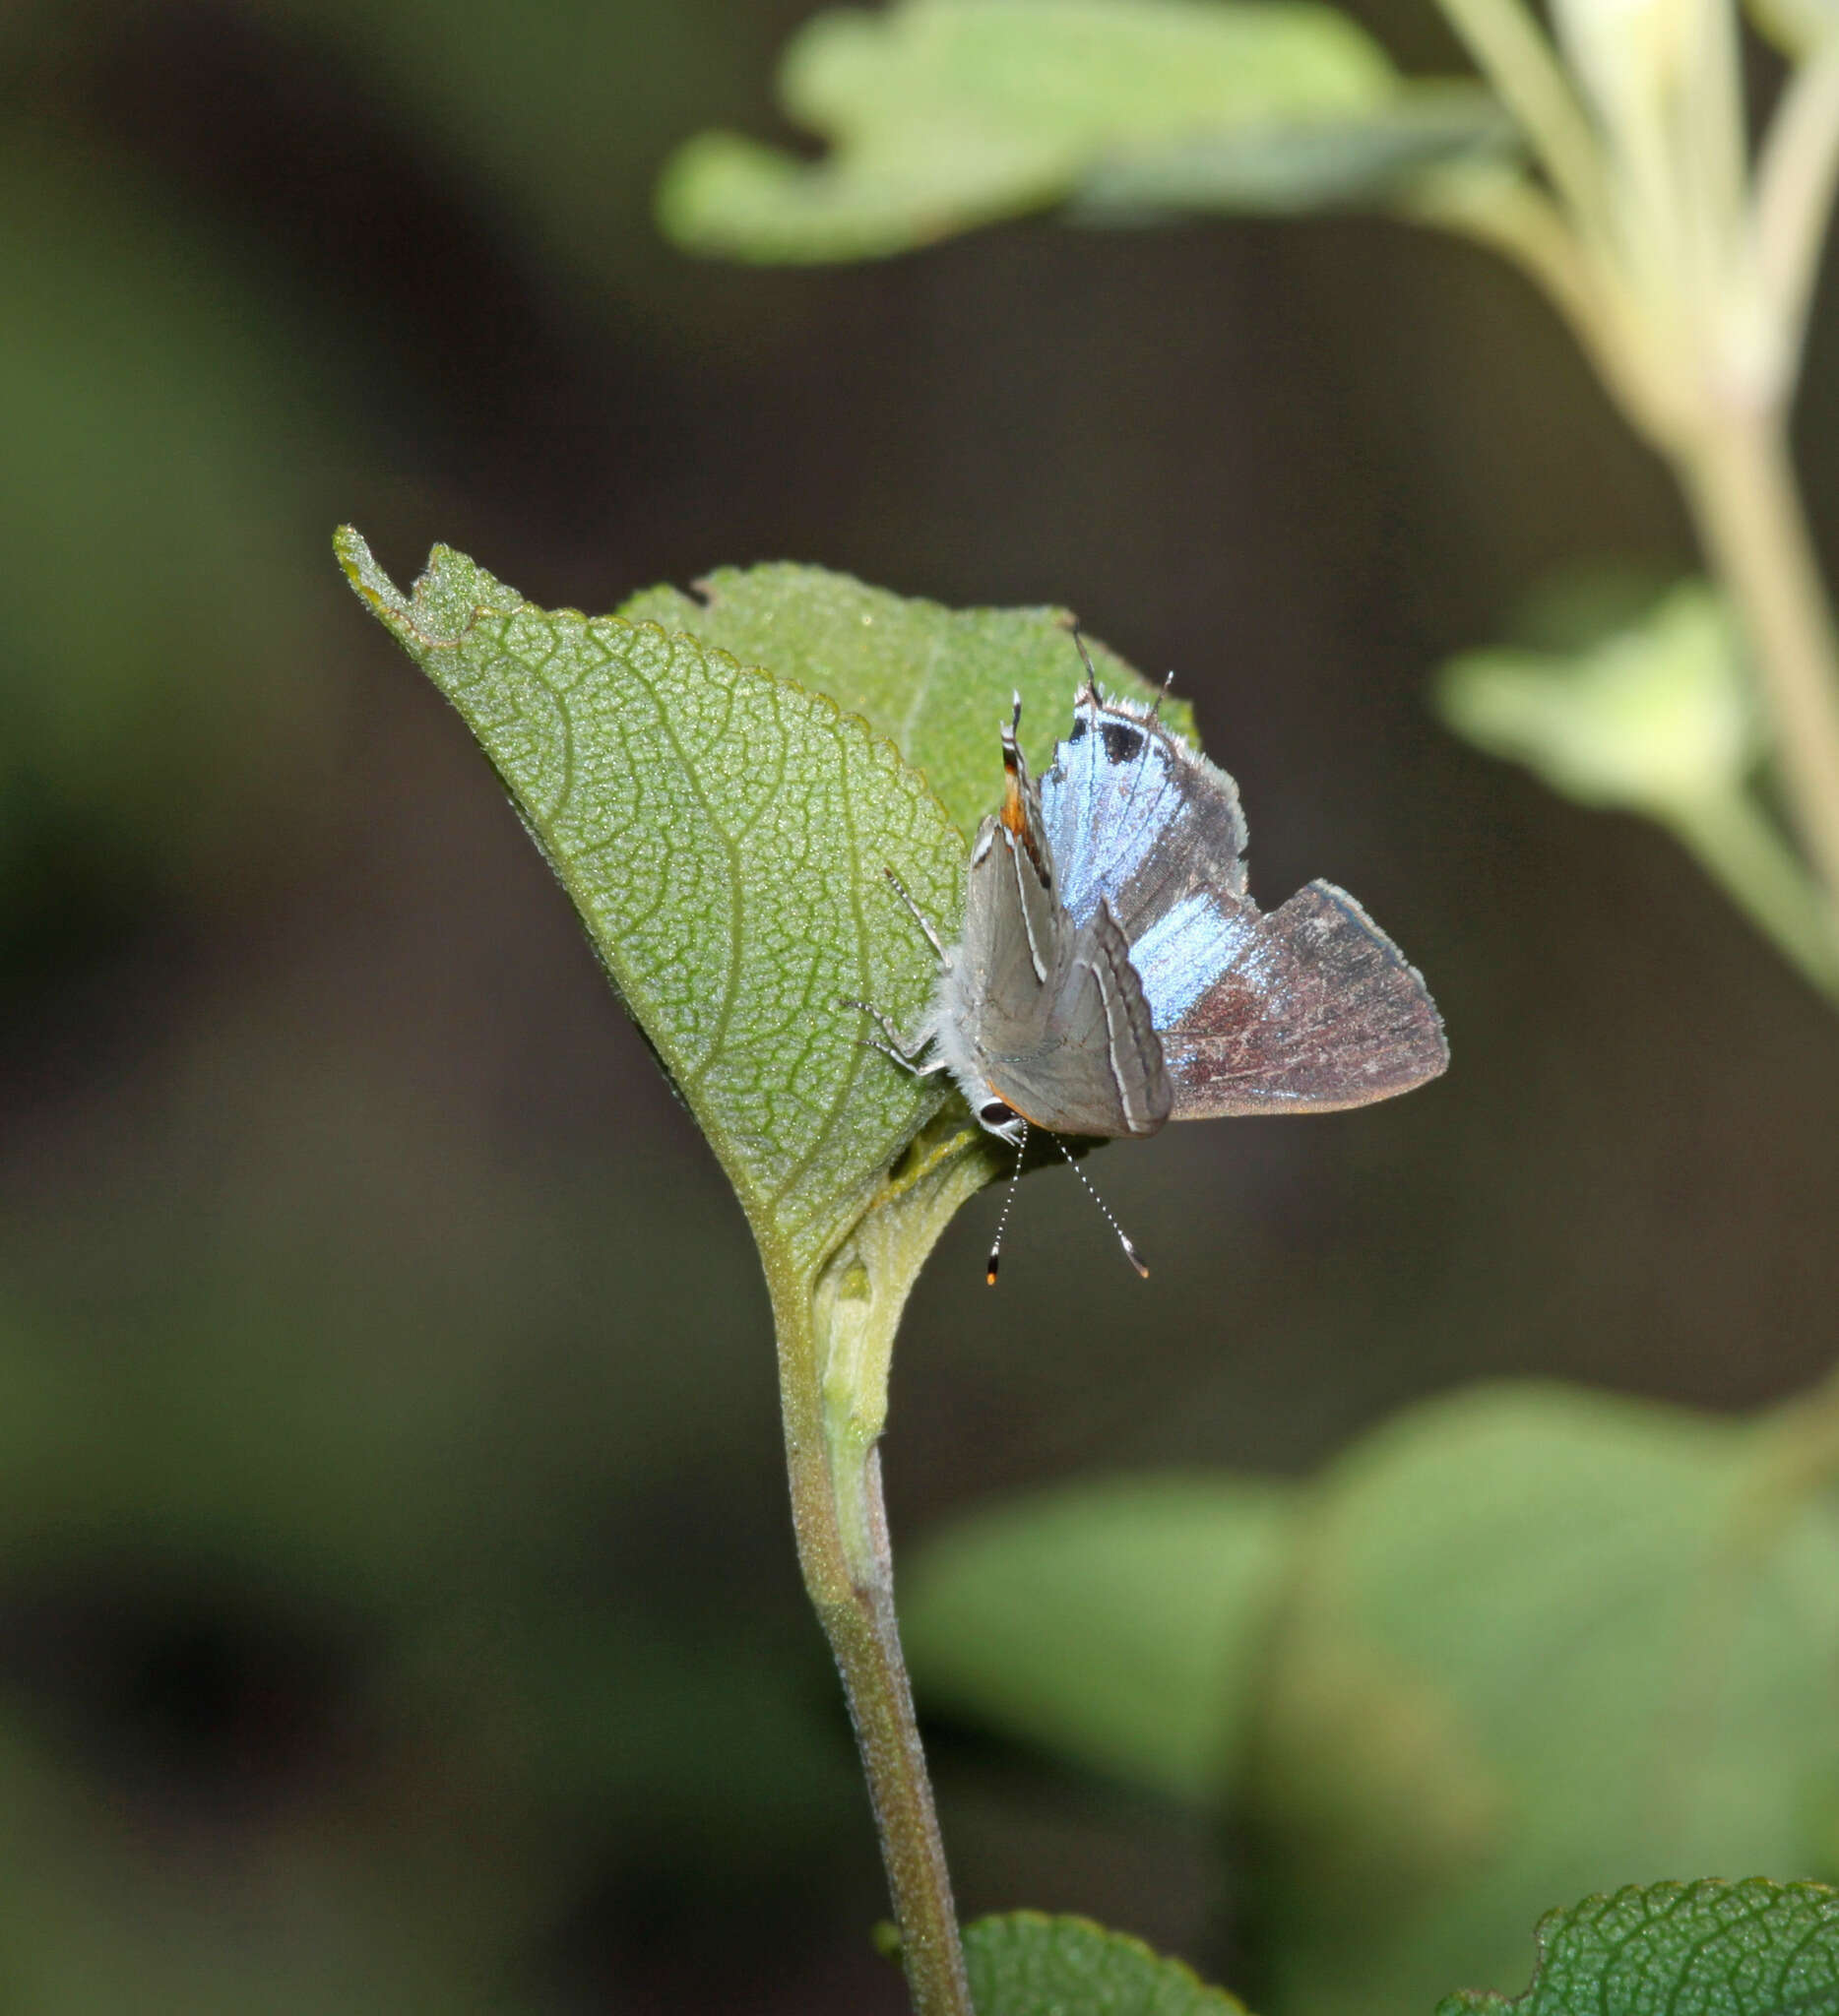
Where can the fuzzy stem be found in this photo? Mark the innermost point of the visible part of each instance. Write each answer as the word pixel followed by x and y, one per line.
pixel 1740 484
pixel 843 1549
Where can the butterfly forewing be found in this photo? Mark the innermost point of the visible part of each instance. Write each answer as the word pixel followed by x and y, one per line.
pixel 1134 815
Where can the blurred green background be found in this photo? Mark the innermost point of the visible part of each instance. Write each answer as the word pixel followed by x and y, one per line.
pixel 398 1609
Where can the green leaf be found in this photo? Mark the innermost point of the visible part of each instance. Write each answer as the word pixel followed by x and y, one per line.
pixel 1121 1625
pixel 1302 164
pixel 1712 1948
pixel 1538 1643
pixel 1654 717
pixel 1025 1963
pixel 938 682
pixel 724 835
pixel 946 114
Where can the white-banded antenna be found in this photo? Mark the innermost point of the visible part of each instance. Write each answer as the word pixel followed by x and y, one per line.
pixel 995 1244
pixel 1123 1238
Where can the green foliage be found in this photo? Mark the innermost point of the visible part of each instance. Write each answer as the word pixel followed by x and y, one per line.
pixel 1753 1948
pixel 1520 1645
pixel 1710 1948
pixel 723 835
pixel 1538 1643
pixel 1654 716
pixel 1025 1963
pixel 946 114
pixel 1118 1624
pixel 1300 164
pixel 726 834
pixel 938 682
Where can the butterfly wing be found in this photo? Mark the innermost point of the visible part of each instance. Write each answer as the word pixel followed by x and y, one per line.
pixel 1309 1009
pixel 1134 816
pixel 1044 1015
pixel 1096 1064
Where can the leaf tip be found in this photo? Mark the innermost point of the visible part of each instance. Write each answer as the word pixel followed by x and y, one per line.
pixel 711 189
pixel 368 581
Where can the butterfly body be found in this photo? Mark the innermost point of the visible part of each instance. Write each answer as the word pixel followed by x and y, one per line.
pixel 1113 972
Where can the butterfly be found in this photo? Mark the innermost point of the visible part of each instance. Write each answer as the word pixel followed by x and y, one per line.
pixel 1113 972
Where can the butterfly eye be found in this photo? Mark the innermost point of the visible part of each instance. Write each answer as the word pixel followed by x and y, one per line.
pixel 993 1113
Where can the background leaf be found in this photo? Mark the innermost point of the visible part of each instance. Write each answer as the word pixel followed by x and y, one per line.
pixel 1298 163
pixel 1655 717
pixel 1654 714
pixel 1538 1645
pixel 723 835
pixel 945 115
pixel 938 682
pixel 1121 1625
pixel 1753 1948
pixel 1024 1964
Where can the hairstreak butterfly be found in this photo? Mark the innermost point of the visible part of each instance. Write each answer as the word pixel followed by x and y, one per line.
pixel 1113 972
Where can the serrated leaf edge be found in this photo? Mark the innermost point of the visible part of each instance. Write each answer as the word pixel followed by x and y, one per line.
pixel 1676 1892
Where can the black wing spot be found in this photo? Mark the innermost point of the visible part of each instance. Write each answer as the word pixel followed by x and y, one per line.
pixel 1079 727
pixel 1122 742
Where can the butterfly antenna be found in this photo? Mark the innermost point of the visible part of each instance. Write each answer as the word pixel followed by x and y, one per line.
pixel 1092 678
pixel 1123 1238
pixel 995 1244
pixel 1155 713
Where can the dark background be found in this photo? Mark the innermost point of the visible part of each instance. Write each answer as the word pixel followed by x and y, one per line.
pixel 398 1609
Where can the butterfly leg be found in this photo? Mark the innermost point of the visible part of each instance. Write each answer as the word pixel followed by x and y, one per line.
pixel 908 1055
pixel 911 1053
pixel 920 917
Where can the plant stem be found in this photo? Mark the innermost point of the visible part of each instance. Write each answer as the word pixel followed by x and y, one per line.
pixel 1741 485
pixel 1795 171
pixel 843 1549
pixel 1516 59
pixel 1741 848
